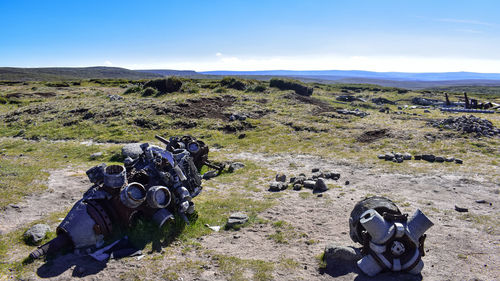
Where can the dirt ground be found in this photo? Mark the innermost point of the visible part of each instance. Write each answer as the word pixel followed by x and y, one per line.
pixel 64 187
pixel 460 246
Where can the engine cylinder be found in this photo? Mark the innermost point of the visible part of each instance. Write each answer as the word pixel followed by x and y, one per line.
pixel 158 197
pixel 133 195
pixel 115 176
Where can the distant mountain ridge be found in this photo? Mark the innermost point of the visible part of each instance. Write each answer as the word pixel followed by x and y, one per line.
pixel 340 74
pixel 390 79
pixel 71 73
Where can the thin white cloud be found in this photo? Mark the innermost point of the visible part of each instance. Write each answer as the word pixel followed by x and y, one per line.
pixel 108 63
pixel 470 31
pixel 333 62
pixel 474 22
pixel 218 54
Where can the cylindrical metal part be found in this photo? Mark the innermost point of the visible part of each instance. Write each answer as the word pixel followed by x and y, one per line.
pixel 184 193
pixel 158 197
pixel 418 224
pixel 133 195
pixel 377 227
pixel 369 266
pixel 79 226
pixel 161 216
pixel 193 147
pixel 115 176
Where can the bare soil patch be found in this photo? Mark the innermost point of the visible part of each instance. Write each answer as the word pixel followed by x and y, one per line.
pixel 65 187
pixel 321 106
pixel 373 135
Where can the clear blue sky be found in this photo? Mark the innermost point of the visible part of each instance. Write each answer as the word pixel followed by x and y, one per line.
pixel 380 35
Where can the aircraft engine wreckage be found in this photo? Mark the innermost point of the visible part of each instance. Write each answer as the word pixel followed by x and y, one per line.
pixel 158 184
pixel 391 241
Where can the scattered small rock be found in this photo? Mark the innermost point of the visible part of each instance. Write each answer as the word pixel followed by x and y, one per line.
pixel 459 161
pixel 114 97
pixel 482 201
pixel 96 155
pixel 461 210
pixel 347 182
pixel 36 233
pixel 235 166
pixel 297 187
pixel 315 170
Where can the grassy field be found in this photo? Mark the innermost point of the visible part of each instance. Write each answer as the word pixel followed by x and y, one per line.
pixel 47 126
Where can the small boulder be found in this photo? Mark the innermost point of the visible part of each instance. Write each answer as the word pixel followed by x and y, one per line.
pixel 439 159
pixel 406 156
pixel 276 186
pixel 320 185
pixel 132 150
pixel 339 253
pixel 429 157
pixel 389 156
pixel 381 156
pixel 315 170
pixel 236 219
pixel 96 155
pixel 417 157
pixel 36 233
pixel 281 177
pixel 309 184
pixel 297 186
pixel 300 179
pixel 235 166
pixel 459 161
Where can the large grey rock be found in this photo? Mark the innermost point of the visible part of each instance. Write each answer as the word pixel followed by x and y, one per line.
pixel 132 150
pixel 36 233
pixel 236 219
pixel 406 156
pixel 235 166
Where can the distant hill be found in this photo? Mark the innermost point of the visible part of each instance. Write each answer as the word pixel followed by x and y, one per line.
pixel 71 73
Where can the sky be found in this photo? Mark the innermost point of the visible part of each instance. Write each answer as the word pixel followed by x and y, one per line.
pixel 409 36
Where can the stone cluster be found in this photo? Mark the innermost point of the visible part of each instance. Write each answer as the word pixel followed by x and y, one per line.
pixel 355 112
pixel 316 181
pixel 469 124
pixel 400 157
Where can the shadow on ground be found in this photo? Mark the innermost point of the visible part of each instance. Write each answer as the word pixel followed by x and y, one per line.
pixel 140 235
pixel 345 267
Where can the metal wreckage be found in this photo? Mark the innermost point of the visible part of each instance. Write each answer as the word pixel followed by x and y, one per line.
pixel 158 184
pixel 161 182
pixel 391 241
